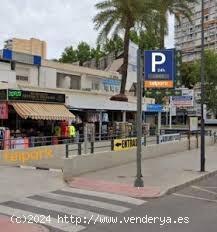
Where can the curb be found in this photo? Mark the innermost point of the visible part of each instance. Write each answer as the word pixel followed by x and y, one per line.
pixel 39 168
pixel 184 185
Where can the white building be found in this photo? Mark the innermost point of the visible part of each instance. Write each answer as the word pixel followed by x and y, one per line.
pixel 84 88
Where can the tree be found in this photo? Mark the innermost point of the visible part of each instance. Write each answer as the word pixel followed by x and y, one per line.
pixel 97 53
pixel 69 55
pixel 116 45
pixel 210 80
pixel 115 17
pixel 146 40
pixel 189 76
pixel 177 7
pixel 83 53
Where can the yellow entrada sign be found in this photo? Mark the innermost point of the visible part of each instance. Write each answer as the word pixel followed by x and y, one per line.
pixel 124 144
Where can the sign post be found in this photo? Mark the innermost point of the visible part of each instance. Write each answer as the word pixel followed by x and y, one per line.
pixel 139 181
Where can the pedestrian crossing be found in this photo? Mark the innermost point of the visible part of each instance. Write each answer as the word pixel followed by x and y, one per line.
pixel 85 204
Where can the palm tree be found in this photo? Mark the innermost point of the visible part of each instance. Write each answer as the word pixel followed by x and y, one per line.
pixel 115 17
pixel 176 7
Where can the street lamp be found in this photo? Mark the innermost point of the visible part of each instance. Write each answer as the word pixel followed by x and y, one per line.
pixel 202 151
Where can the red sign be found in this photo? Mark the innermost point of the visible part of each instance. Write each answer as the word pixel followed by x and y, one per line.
pixel 3 110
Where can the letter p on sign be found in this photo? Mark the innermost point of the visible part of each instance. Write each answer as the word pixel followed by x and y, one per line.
pixel 158 58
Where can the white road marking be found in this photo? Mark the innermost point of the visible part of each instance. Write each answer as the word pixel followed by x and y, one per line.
pixel 193 197
pixel 82 201
pixel 207 187
pixel 204 190
pixel 61 208
pixel 109 196
pixel 53 223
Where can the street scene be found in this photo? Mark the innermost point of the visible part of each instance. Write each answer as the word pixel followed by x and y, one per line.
pixel 108 113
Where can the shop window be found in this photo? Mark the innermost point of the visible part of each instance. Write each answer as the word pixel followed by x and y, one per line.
pixel 22 78
pixel 112 88
pixel 117 89
pixel 68 81
pixel 106 88
pixel 95 85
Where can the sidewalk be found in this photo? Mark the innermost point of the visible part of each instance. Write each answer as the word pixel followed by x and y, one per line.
pixel 161 175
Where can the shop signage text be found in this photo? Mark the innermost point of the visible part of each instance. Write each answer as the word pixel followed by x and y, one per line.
pixel 23 95
pixel 169 138
pixel 159 69
pixel 154 108
pixel 124 144
pixel 28 155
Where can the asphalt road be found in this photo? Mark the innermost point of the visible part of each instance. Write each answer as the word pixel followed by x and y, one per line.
pixel 193 209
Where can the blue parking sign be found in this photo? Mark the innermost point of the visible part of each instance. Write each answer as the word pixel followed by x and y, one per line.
pixel 159 68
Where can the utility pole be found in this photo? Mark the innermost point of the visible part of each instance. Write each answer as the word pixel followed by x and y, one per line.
pixel 139 180
pixel 202 151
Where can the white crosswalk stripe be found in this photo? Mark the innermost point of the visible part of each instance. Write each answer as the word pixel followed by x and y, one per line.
pixel 53 223
pixel 110 196
pixel 51 202
pixel 82 201
pixel 61 209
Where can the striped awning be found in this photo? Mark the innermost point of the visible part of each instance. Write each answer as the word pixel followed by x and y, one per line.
pixel 40 111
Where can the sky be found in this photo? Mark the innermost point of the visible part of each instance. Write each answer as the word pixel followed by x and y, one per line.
pixel 59 22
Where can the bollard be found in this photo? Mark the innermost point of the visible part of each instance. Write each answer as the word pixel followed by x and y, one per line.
pixel 67 151
pixel 158 139
pixel 197 138
pixel 79 149
pixel 92 147
pixel 112 145
pixel 189 140
pixel 145 140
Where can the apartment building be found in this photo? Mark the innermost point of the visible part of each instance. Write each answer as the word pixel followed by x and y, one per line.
pixel 188 34
pixel 32 46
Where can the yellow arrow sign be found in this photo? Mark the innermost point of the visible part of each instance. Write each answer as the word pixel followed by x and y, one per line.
pixel 124 144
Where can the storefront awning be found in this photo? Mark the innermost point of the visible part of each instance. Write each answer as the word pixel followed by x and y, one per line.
pixel 42 111
pixel 98 102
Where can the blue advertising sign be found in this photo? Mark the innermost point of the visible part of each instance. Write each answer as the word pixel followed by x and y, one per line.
pixel 159 68
pixel 154 108
pixel 111 82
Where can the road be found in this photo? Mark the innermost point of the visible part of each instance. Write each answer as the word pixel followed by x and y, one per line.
pixel 192 209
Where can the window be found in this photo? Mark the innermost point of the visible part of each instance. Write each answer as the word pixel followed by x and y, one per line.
pixel 95 85
pixel 106 88
pixel 22 78
pixel 68 81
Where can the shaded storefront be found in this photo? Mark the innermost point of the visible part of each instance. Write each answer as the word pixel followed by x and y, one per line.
pixel 26 112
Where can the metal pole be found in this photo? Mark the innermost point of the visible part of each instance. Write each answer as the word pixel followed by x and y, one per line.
pixel 170 116
pixel 159 122
pixel 100 126
pixel 202 152
pixel 139 180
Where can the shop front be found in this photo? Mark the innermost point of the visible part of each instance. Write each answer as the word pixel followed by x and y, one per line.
pixel 26 114
pixel 107 118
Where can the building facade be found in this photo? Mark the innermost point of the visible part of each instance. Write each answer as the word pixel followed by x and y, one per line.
pixel 32 46
pixel 188 34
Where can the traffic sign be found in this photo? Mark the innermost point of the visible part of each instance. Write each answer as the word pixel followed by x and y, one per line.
pixel 124 144
pixel 159 69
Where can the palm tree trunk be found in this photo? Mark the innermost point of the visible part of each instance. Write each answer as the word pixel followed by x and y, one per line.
pixel 125 62
pixel 162 34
